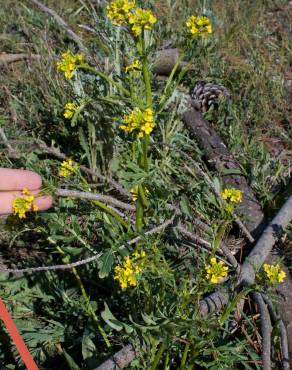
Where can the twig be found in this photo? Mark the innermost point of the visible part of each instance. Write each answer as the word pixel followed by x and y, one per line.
pixel 11 58
pixel 152 231
pixel 60 21
pixel 120 359
pixel 155 230
pixel 223 248
pixel 265 244
pixel 53 267
pixel 93 196
pixel 214 302
pixel 266 330
pixel 283 333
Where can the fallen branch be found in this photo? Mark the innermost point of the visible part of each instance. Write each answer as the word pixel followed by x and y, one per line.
pixel 265 244
pixel 11 58
pixel 283 333
pixel 266 329
pixel 60 21
pixel 93 196
pixel 120 359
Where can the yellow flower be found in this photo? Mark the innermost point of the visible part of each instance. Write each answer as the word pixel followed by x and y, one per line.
pixel 274 273
pixel 69 110
pixel 138 119
pixel 119 11
pixel 131 268
pixel 68 63
pixel 21 205
pixel 199 26
pixel 141 19
pixel 134 67
pixel 67 168
pixel 216 270
pixel 232 195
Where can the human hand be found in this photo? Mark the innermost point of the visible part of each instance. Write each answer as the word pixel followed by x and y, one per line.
pixel 12 182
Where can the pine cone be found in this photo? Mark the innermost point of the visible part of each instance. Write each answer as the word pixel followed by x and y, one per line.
pixel 205 94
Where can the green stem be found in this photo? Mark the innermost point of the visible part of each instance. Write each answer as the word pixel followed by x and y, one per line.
pixel 168 83
pixel 139 214
pixel 111 212
pixel 158 357
pixel 184 358
pixel 105 77
pixel 146 74
pixel 142 195
pixel 89 308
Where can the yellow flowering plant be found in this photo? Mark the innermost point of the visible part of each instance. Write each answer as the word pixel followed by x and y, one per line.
pixel 216 271
pixel 274 273
pixel 24 203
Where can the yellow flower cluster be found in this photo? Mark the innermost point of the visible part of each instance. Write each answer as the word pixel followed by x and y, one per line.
pixel 138 119
pixel 119 11
pixel 21 205
pixel 141 19
pixel 125 12
pixel 67 168
pixel 128 272
pixel 199 26
pixel 274 273
pixel 232 195
pixel 134 67
pixel 68 63
pixel 69 110
pixel 216 270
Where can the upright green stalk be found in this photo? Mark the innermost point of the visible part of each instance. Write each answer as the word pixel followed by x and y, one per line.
pixel 158 356
pixel 145 141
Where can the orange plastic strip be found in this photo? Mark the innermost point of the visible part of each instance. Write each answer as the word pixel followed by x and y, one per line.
pixel 17 339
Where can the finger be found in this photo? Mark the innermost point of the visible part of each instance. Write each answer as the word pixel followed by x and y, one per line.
pixel 11 179
pixel 7 198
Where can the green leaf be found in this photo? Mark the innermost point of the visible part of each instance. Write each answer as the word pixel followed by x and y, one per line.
pixel 110 319
pixel 88 347
pixel 105 264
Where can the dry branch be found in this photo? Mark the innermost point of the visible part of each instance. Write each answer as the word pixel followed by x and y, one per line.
pixel 283 333
pixel 119 360
pixel 266 330
pixel 265 244
pixel 93 196
pixel 11 58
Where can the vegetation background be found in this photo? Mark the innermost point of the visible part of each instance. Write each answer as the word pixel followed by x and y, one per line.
pixel 250 53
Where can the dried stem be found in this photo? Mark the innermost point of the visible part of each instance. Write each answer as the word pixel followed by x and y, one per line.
pixel 266 329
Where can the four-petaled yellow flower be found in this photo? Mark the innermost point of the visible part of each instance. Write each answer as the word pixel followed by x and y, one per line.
pixel 128 272
pixel 216 270
pixel 67 168
pixel 69 110
pixel 21 205
pixel 141 20
pixel 199 26
pixel 135 67
pixel 68 63
pixel 119 11
pixel 274 273
pixel 232 195
pixel 138 119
